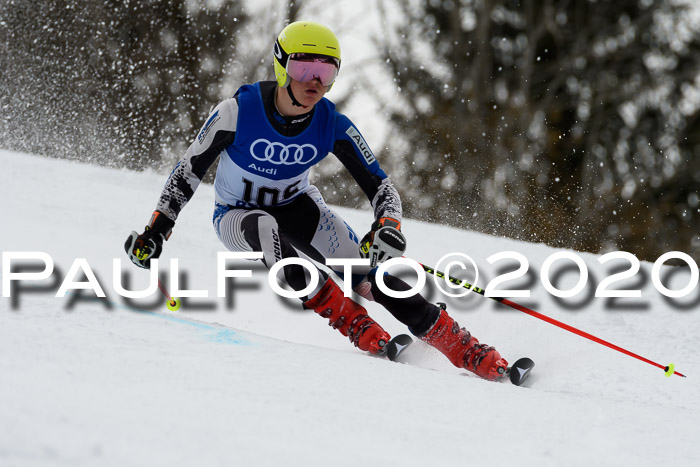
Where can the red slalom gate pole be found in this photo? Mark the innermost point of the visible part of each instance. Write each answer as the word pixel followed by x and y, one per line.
pixel 669 369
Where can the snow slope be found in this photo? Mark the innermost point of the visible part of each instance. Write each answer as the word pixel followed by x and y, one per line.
pixel 252 380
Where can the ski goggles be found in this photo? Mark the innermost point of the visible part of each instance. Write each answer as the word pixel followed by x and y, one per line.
pixel 305 67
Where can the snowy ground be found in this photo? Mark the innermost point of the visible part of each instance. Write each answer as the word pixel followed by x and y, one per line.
pixel 253 380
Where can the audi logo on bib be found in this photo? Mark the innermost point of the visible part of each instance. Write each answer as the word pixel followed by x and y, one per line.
pixel 282 154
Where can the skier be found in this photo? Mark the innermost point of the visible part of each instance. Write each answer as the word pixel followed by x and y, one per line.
pixel 268 137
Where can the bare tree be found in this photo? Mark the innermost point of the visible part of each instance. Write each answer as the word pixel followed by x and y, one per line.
pixel 112 82
pixel 555 121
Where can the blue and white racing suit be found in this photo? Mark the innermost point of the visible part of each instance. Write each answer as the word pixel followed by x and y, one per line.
pixel 264 200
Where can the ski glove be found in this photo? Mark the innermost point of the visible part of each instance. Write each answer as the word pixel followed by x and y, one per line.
pixel 384 241
pixel 149 245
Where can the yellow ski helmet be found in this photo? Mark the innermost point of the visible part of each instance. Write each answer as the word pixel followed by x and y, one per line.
pixel 303 37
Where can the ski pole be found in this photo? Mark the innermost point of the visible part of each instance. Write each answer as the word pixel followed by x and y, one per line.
pixel 668 370
pixel 173 304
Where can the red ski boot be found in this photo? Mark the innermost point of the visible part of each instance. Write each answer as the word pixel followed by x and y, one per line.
pixel 349 318
pixel 464 350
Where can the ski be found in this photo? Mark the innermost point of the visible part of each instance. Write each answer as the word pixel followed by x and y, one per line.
pixel 395 347
pixel 519 371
